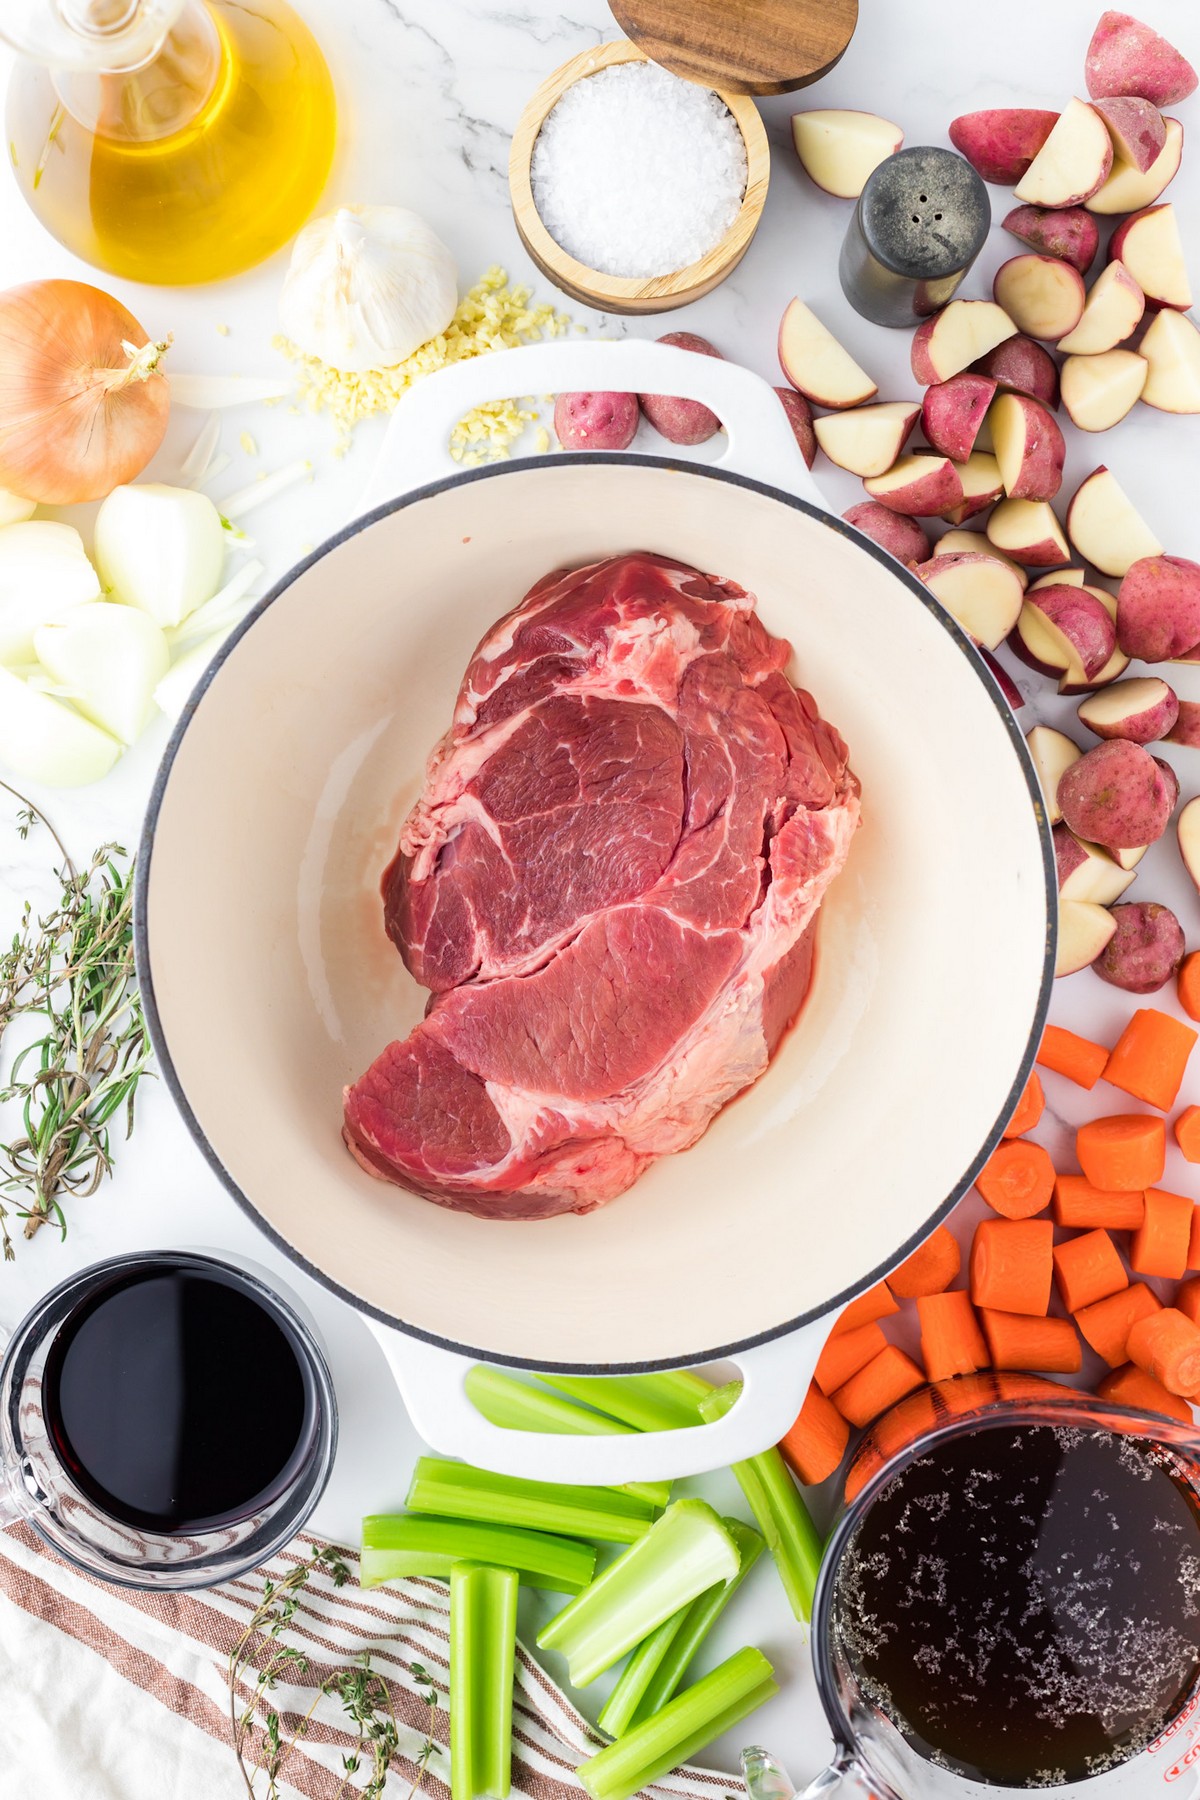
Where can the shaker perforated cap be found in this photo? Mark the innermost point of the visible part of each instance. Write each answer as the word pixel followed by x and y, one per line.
pixel 925 213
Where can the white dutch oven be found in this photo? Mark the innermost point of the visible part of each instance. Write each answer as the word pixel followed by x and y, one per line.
pixel 269 982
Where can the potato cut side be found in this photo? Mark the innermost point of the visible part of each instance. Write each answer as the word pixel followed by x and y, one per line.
pixel 1084 933
pixel 958 336
pixel 1171 348
pixel 1059 578
pixel 1092 874
pixel 867 440
pixel 840 150
pixel 1042 295
pixel 1052 753
pixel 1029 531
pixel 1106 528
pixel 1187 835
pixel 975 543
pixel 1129 188
pixel 1073 163
pixel 981 484
pixel 1151 249
pixel 1142 710
pixel 980 592
pixel 1113 312
pixel 817 365
pixel 1098 391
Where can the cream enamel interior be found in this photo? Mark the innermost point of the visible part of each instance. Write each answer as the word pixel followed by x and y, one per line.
pixel 274 985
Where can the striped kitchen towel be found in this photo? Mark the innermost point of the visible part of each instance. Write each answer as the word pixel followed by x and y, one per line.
pixel 114 1695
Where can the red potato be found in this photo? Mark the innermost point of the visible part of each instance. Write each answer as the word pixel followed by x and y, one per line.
pixel 1028 531
pixel 920 486
pixel 1001 143
pixel 956 337
pixel 867 440
pixel 1083 931
pixel 1073 681
pixel 981 484
pixel 952 543
pixel 1080 618
pixel 1143 711
pixel 1129 858
pixel 1171 779
pixel 1073 163
pixel 1041 642
pixel 1127 57
pixel 1023 367
pixel 1115 795
pixel 1052 753
pixel 800 419
pixel 1003 680
pixel 817 365
pixel 1128 189
pixel 1030 449
pixel 1105 526
pixel 1063 578
pixel 1149 245
pixel 981 593
pixel 1187 836
pixel 596 421
pixel 682 421
pixel 954 410
pixel 900 537
pixel 1112 312
pixel 1186 729
pixel 1144 951
pixel 1171 351
pixel 1098 391
pixel 1136 128
pixel 841 150
pixel 1158 608
pixel 1042 295
pixel 1071 234
pixel 1086 872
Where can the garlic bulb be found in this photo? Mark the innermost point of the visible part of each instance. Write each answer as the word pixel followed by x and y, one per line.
pixel 367 286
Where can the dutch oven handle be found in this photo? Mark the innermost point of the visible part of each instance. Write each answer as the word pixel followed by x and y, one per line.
pixel 758 443
pixel 758 440
pixel 775 1378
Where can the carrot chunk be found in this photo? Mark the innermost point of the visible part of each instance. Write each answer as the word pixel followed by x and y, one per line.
pixel 1030 1107
pixel 884 1380
pixel 1081 1207
pixel 1187 985
pixel 1017 1180
pixel 845 1353
pixel 1132 1386
pixel 1160 1244
pixel 1193 1250
pixel 951 1341
pixel 816 1443
pixel 1123 1152
pixel 1106 1324
pixel 1077 1058
pixel 1187 1299
pixel 1187 1132
pixel 1087 1269
pixel 1167 1345
pixel 1150 1056
pixel 1015 1341
pixel 930 1269
pixel 876 1303
pixel 1012 1265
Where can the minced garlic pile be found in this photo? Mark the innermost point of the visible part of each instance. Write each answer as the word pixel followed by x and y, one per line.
pixel 492 316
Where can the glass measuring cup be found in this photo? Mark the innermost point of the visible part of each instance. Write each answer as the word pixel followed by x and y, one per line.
pixel 874 1757
pixel 39 1486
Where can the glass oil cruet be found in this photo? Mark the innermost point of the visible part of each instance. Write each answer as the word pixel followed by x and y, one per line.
pixel 168 141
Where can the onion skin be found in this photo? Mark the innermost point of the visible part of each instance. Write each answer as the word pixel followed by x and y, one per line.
pixel 76 419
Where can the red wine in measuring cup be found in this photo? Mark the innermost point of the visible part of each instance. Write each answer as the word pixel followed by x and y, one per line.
pixel 1023 1602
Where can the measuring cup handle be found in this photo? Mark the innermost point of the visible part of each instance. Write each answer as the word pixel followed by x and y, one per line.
pixel 759 439
pixel 775 1378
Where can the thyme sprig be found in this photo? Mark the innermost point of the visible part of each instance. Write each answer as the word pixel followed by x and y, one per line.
pixel 259 1659
pixel 72 971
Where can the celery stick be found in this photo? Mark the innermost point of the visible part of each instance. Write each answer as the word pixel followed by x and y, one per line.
pixel 659 1402
pixel 694 1718
pixel 619 1710
pixel 775 1501
pixel 483 1637
pixel 515 1406
pixel 698 1621
pixel 683 1554
pixel 399 1544
pixel 457 1491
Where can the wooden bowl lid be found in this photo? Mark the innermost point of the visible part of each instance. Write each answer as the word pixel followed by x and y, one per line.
pixel 741 46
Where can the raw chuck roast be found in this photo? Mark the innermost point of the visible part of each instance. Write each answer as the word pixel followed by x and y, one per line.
pixel 609 884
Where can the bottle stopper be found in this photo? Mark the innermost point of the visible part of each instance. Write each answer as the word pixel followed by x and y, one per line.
pixel 920 222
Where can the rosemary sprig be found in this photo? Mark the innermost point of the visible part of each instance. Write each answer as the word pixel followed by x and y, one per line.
pixel 259 1659
pixel 73 972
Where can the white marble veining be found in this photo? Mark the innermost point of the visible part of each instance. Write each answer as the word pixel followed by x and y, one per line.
pixel 430 91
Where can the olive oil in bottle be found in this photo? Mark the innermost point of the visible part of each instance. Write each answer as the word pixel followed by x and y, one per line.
pixel 198 162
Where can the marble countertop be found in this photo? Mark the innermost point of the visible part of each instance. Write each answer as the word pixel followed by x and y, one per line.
pixel 430 91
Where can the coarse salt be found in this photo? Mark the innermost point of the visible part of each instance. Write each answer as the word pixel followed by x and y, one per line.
pixel 637 172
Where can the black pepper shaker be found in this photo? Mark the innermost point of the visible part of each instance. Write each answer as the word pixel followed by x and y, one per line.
pixel 920 222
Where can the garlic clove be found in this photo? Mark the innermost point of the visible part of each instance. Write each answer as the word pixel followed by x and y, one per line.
pixel 161 549
pixel 44 574
pixel 367 286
